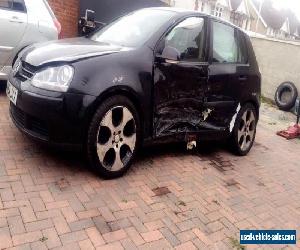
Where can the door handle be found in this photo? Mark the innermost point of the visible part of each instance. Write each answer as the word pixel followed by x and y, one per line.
pixel 202 78
pixel 15 19
pixel 243 78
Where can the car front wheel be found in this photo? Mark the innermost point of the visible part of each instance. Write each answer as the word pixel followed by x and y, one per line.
pixel 244 131
pixel 113 137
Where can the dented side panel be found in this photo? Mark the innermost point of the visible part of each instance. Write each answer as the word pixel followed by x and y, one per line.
pixel 229 87
pixel 223 93
pixel 179 91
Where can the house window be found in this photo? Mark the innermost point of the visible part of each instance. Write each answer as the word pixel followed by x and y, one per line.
pixel 217 11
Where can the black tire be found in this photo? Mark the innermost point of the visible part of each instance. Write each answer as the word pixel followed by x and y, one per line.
pixel 286 95
pixel 110 104
pixel 234 139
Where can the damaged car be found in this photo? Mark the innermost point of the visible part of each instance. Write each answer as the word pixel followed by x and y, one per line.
pixel 153 75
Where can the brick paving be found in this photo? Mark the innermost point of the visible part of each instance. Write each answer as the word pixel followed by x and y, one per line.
pixel 50 200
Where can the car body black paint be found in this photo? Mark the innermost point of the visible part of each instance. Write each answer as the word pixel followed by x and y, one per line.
pixel 230 84
pixel 174 100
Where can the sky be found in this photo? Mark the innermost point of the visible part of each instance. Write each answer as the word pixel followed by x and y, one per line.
pixel 292 4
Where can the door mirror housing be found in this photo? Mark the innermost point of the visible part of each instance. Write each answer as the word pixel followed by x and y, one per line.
pixel 171 54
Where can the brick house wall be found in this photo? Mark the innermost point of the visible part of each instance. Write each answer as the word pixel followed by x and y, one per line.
pixel 67 13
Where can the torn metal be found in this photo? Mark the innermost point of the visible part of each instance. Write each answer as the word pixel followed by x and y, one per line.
pixel 232 123
pixel 206 113
pixel 174 120
pixel 191 145
pixel 181 116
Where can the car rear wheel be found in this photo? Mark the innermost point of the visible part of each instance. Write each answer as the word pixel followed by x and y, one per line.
pixel 244 131
pixel 113 137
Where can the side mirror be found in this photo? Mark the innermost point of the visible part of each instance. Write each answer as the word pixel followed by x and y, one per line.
pixel 171 54
pixel 90 15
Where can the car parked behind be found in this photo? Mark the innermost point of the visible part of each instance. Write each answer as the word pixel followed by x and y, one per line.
pixel 22 23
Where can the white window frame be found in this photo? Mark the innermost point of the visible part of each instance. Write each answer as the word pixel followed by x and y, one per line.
pixel 218 10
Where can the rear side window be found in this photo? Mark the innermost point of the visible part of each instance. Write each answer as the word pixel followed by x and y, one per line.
pixel 229 44
pixel 14 5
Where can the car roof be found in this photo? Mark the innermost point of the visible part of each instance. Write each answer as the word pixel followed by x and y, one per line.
pixel 177 10
pixel 183 12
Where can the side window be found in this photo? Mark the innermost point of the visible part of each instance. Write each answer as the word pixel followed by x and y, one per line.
pixel 6 4
pixel 15 5
pixel 229 45
pixel 18 5
pixel 188 37
pixel 224 43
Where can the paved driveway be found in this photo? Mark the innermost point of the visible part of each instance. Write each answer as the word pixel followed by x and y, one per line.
pixel 171 198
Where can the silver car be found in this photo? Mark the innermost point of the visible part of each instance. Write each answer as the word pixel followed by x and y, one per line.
pixel 22 23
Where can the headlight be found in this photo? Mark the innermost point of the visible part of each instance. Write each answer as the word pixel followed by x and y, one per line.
pixel 54 78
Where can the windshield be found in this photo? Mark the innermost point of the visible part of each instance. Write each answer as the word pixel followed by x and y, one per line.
pixel 134 29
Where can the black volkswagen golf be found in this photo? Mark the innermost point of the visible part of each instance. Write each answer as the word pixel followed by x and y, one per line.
pixel 154 75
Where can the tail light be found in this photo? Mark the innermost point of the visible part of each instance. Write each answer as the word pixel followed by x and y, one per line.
pixel 58 27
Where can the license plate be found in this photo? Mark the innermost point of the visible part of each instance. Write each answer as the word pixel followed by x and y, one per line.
pixel 12 93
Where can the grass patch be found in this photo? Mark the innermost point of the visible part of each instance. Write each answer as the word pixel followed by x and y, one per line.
pixel 267 100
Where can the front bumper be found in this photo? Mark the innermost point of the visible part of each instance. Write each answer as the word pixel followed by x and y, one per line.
pixel 51 117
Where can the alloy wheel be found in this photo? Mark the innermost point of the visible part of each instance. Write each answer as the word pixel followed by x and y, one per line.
pixel 116 139
pixel 246 131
